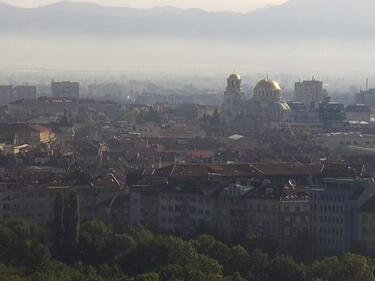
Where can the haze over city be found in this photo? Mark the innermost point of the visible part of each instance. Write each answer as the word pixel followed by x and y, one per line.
pixel 187 140
pixel 297 37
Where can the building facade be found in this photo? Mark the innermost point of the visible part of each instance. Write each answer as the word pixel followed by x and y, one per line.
pixel 65 89
pixel 309 92
pixel 334 208
pixel 233 98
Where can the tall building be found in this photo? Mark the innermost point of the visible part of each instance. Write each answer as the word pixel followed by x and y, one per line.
pixel 334 208
pixel 65 89
pixel 5 94
pixel 309 92
pixel 366 97
pixel 23 92
pixel 233 97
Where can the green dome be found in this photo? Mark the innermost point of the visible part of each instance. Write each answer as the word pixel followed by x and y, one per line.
pixel 253 106
pixel 280 106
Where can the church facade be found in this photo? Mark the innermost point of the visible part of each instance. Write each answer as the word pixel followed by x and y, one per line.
pixel 265 106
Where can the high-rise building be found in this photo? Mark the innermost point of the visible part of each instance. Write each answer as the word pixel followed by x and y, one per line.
pixel 5 94
pixel 65 89
pixel 309 92
pixel 366 97
pixel 23 92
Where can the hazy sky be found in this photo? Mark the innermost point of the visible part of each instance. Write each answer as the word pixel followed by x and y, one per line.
pixel 212 5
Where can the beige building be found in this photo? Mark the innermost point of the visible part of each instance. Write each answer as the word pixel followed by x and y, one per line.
pixel 309 92
pixel 278 212
pixel 37 203
pixel 22 133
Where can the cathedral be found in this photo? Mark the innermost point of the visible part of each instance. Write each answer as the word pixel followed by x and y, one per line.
pixel 265 105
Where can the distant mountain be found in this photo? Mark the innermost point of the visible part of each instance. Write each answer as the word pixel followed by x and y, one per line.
pixel 296 19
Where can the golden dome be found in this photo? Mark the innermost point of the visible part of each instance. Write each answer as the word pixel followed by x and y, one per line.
pixel 267 88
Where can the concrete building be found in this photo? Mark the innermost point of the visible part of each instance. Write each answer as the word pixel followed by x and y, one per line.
pixel 5 94
pixel 25 109
pixel 366 97
pixel 65 89
pixel 336 141
pixel 277 211
pixel 144 207
pixel 334 208
pixel 37 203
pixel 332 114
pixel 366 227
pixel 185 211
pixel 231 212
pixel 23 92
pixel 309 92
pixel 358 112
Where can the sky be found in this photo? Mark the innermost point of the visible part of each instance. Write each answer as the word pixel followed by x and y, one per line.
pixel 210 5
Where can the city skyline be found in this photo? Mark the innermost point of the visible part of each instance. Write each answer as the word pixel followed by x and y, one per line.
pixel 209 5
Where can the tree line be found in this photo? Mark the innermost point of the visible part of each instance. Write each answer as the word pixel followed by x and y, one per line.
pixel 94 251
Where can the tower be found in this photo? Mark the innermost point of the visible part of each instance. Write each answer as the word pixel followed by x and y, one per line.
pixel 233 97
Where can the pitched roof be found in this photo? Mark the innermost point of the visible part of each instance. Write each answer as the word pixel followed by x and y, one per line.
pixel 289 168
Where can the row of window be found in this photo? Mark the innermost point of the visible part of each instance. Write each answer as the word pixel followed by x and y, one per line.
pixel 328 197
pixel 181 209
pixel 331 231
pixel 199 200
pixel 328 208
pixel 331 243
pixel 356 143
pixel 327 219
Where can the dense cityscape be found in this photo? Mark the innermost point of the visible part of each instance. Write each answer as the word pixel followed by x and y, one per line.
pixel 290 182
pixel 183 140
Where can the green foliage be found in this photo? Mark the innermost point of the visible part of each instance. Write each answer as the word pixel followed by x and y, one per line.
pixel 66 226
pixel 58 224
pixel 284 268
pixel 104 255
pixel 148 277
pixel 10 274
pixel 21 244
pixel 347 267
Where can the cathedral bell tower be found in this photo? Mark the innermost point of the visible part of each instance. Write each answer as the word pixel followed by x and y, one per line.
pixel 233 97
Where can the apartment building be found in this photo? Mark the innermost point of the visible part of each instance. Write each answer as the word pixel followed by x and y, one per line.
pixel 334 208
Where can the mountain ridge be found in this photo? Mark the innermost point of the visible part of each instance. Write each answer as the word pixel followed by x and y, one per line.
pixel 293 20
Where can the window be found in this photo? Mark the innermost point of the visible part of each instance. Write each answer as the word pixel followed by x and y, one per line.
pixel 364 219
pixel 364 231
